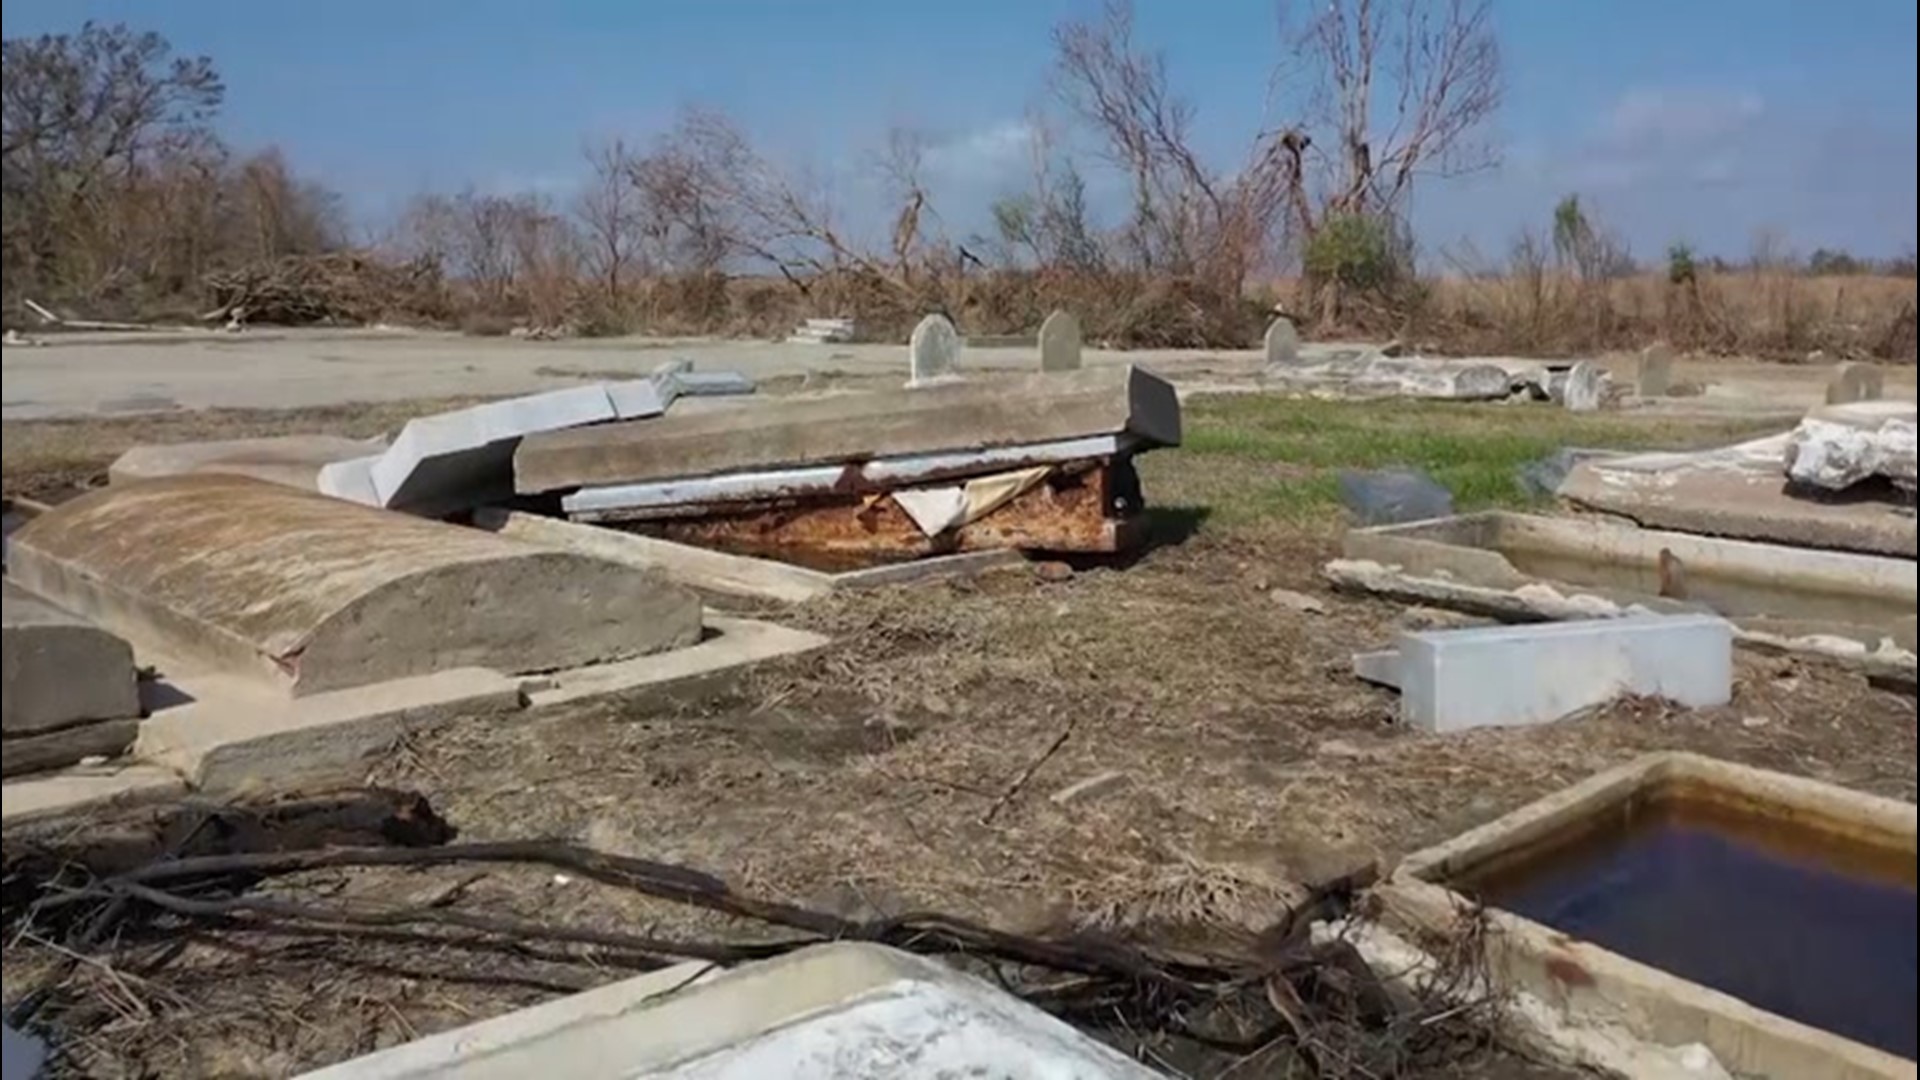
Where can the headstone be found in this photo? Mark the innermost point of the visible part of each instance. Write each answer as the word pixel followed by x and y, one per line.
pixel 1854 381
pixel 1060 342
pixel 1586 387
pixel 1282 342
pixel 1656 371
pixel 933 351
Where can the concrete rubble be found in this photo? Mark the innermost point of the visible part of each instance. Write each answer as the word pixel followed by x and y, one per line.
pixel 304 593
pixel 1375 376
pixel 1035 462
pixel 822 332
pixel 1838 447
pixel 1515 676
pixel 1743 491
pixel 70 690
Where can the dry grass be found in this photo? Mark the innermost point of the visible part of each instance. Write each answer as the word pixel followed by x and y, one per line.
pixel 908 766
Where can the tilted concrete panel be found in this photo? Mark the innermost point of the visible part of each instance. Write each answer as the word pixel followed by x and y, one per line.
pixel 856 427
pixel 226 573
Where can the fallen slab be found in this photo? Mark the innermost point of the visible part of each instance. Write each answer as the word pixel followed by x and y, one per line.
pixel 310 594
pixel 1738 491
pixel 453 461
pixel 832 1012
pixel 294 460
pixel 1516 676
pixel 59 669
pixel 1369 377
pixel 976 415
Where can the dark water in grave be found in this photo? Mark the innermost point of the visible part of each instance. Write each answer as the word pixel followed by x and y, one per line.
pixel 1815 927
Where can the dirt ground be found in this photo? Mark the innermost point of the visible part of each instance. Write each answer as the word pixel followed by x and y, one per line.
pixel 920 763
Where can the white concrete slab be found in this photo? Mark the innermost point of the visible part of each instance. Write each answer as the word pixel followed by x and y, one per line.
pixel 1511 676
pixel 460 459
pixel 85 789
pixel 832 1012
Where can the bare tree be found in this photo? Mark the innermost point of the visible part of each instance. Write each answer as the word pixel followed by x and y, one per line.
pixel 1188 217
pixel 1395 89
pixel 612 213
pixel 83 118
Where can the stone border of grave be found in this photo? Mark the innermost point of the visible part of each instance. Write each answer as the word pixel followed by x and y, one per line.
pixel 1595 1007
pixel 221 735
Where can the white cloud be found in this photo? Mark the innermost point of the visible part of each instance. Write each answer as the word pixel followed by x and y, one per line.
pixel 993 154
pixel 1651 117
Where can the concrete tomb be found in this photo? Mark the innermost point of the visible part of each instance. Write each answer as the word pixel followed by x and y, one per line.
pixel 308 593
pixel 974 416
pixel 70 689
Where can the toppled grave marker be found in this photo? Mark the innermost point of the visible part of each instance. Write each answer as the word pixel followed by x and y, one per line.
pixel 69 689
pixel 1513 676
pixel 933 352
pixel 306 593
pixel 1060 342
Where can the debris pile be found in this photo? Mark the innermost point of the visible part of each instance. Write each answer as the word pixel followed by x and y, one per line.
pixel 343 288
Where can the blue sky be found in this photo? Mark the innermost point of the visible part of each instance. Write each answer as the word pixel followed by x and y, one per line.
pixel 1702 120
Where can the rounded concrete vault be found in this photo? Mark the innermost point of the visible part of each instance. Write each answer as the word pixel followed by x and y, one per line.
pixel 315 594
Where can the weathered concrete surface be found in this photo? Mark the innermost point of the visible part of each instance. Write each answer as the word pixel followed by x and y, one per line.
pixel 66 746
pixel 294 460
pixel 1599 989
pixel 1376 376
pixel 83 790
pixel 59 669
pixel 974 415
pixel 832 1012
pixel 1515 676
pixel 1738 491
pixel 230 734
pixel 311 594
pixel 683 675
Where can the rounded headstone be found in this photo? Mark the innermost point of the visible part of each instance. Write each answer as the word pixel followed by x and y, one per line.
pixel 1060 342
pixel 1282 342
pixel 1586 387
pixel 933 351
pixel 1854 381
pixel 1655 377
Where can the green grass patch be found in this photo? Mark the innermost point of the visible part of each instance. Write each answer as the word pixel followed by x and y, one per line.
pixel 1251 459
